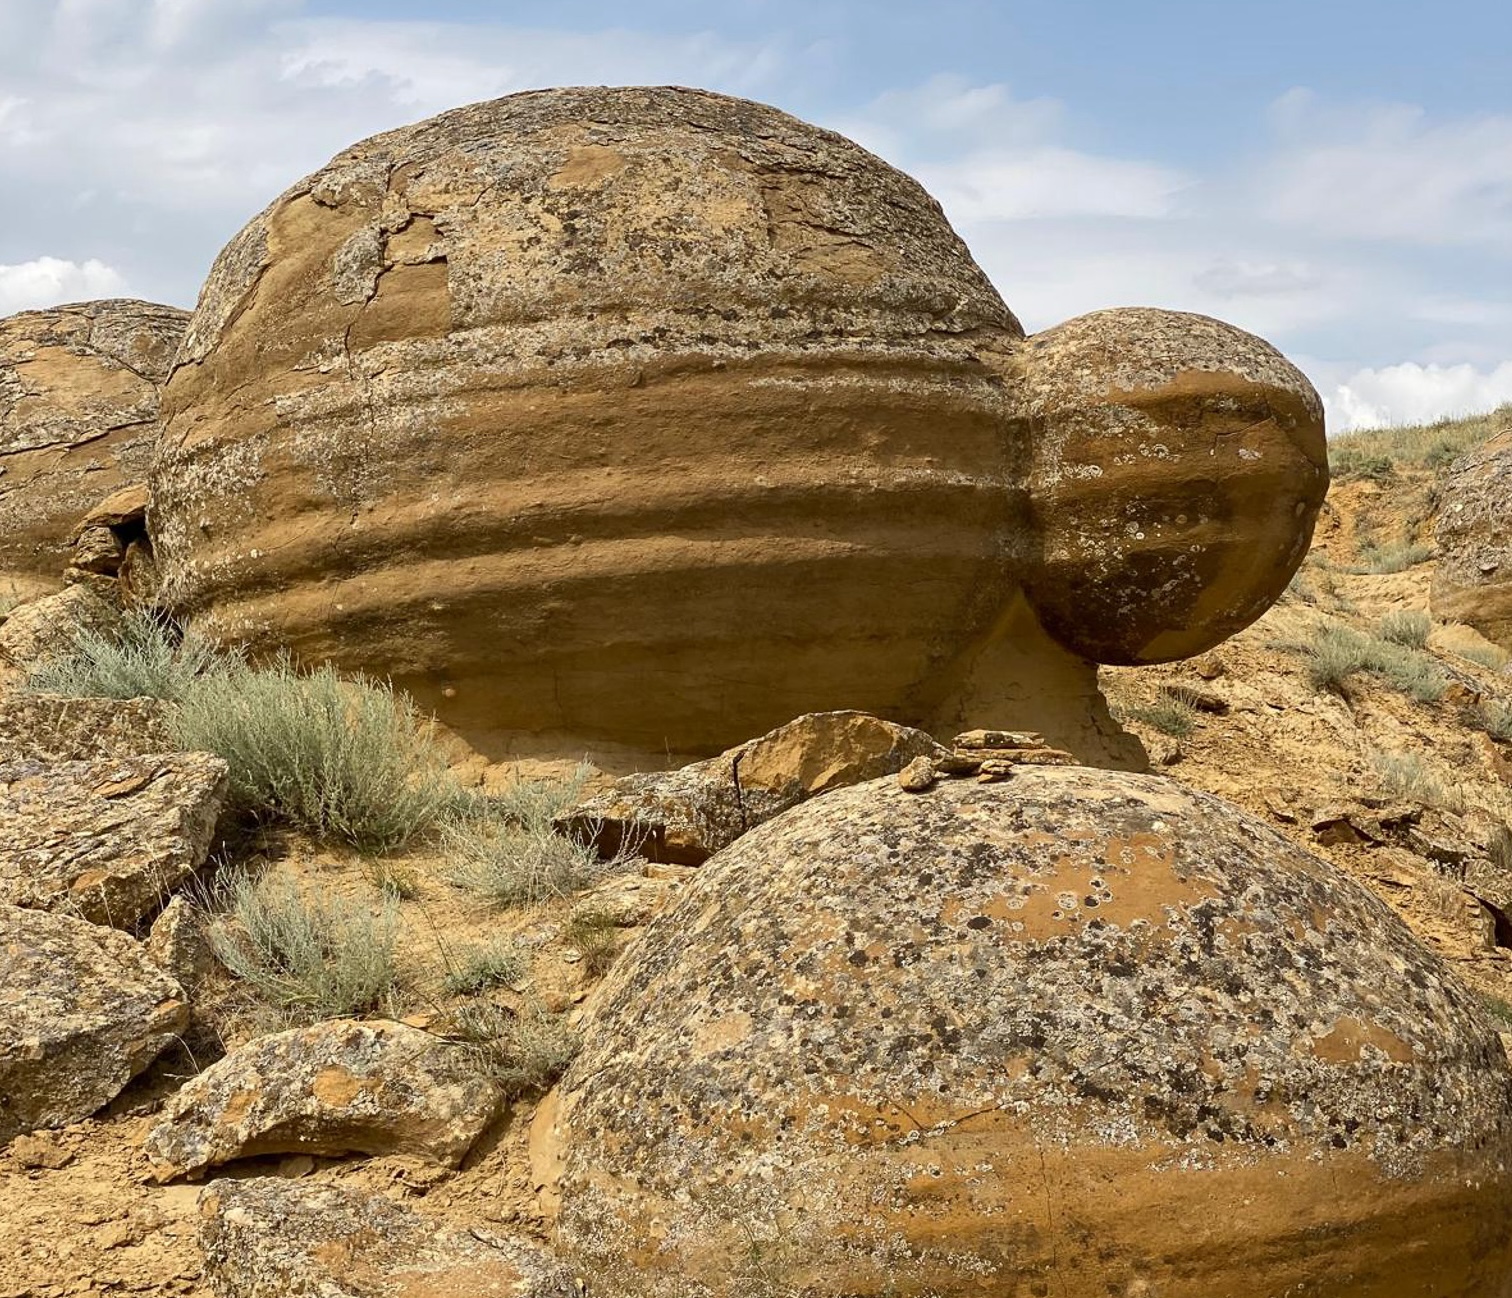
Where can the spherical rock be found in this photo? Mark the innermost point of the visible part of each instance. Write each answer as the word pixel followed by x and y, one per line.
pixel 78 415
pixel 1178 468
pixel 1472 582
pixel 1082 1033
pixel 643 416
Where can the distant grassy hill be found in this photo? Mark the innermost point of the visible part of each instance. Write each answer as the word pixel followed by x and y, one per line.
pixel 1381 452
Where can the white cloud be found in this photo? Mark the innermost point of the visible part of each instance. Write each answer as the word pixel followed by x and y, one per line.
pixel 1389 172
pixel 48 281
pixel 1415 394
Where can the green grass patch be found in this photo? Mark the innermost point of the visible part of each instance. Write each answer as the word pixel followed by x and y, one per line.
pixel 142 657
pixel 1336 653
pixel 1170 716
pixel 1410 627
pixel 478 969
pixel 1377 452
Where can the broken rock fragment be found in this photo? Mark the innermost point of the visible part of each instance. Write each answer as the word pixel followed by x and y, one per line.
pixel 334 1088
pixel 82 1012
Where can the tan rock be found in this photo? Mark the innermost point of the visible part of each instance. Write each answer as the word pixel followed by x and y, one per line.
pixel 54 728
pixel 267 1237
pixel 46 627
pixel 110 839
pixel 687 815
pixel 338 1087
pixel 78 415
pixel 82 1012
pixel 643 420
pixel 918 776
pixel 178 944
pixel 1084 1031
pixel 1472 582
pixel 1178 470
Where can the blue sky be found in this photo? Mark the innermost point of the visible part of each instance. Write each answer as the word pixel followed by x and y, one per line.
pixel 1336 176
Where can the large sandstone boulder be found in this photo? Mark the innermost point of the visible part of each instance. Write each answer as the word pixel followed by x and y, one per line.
pixel 78 418
pixel 269 1238
pixel 653 418
pixel 1472 582
pixel 334 1088
pixel 82 1012
pixel 1079 1033
pixel 109 839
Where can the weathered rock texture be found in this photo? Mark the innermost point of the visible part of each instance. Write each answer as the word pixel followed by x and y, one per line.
pixel 269 1238
pixel 82 1012
pixel 47 627
pixel 658 418
pixel 1079 1034
pixel 687 815
pixel 78 416
pixel 1177 466
pixel 109 839
pixel 53 728
pixel 1473 580
pixel 338 1087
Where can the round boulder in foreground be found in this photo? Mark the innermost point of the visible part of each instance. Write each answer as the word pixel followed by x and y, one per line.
pixel 1178 468
pixel 1080 1034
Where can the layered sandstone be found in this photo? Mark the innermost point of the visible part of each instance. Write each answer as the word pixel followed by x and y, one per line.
pixel 1473 580
pixel 78 413
pixel 1079 1033
pixel 654 418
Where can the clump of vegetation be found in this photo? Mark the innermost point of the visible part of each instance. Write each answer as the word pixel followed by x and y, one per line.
pixel 142 657
pixel 1396 557
pixel 1167 713
pixel 1425 446
pixel 1410 627
pixel 507 848
pixel 347 760
pixel 1336 652
pixel 306 953
pixel 1486 655
pixel 500 963
pixel 524 1052
pixel 1408 775
pixel 343 760
pixel 596 935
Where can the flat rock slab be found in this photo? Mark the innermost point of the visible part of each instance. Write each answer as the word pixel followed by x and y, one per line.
pixel 52 728
pixel 687 815
pixel 338 1087
pixel 269 1238
pixel 82 1012
pixel 110 839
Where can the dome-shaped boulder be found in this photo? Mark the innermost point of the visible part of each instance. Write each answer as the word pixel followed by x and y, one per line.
pixel 78 420
pixel 1472 582
pixel 1080 1033
pixel 642 416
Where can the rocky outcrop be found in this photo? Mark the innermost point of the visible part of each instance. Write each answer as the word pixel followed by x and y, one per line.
pixel 339 1087
pixel 1473 580
pixel 685 816
pixel 54 728
pixel 78 416
pixel 47 627
pixel 269 1238
pixel 82 1012
pixel 644 420
pixel 1079 1032
pixel 109 839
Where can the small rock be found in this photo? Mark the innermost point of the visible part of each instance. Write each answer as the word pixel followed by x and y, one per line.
pixel 1210 667
pixel 918 776
pixel 40 1150
pixel 98 550
pixel 338 1087
pixel 270 1238
pixel 177 943
pixel 82 1012
pixel 994 771
pixel 1000 739
pixel 1168 754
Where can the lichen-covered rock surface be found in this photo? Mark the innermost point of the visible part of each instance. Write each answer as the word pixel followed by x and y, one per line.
pixel 1473 580
pixel 648 419
pixel 55 728
pixel 270 1238
pixel 47 627
pixel 108 839
pixel 685 816
pixel 82 1012
pixel 338 1087
pixel 1080 1033
pixel 1177 466
pixel 78 416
